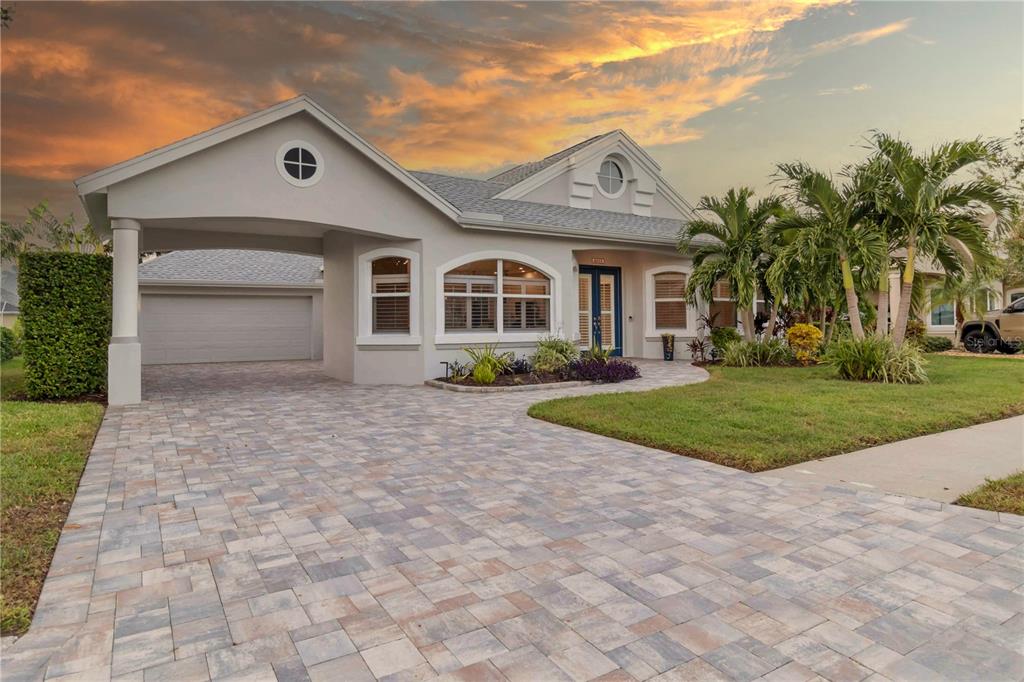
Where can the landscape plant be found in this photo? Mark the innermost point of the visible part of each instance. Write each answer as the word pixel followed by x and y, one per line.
pixel 935 212
pixel 698 349
pixel 548 360
pixel 588 368
pixel 934 344
pixel 834 233
pixel 733 234
pixel 805 341
pixel 567 348
pixel 722 338
pixel 763 353
pixel 876 359
pixel 66 310
pixel 9 346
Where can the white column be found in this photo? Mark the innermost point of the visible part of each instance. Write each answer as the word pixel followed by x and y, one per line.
pixel 124 355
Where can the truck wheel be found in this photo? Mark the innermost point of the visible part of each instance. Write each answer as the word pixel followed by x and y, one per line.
pixel 979 341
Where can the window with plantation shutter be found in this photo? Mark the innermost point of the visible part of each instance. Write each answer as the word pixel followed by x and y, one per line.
pixel 480 296
pixel 670 300
pixel 388 305
pixel 390 294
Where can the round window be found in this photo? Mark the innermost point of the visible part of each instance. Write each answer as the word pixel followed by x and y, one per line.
pixel 300 163
pixel 610 177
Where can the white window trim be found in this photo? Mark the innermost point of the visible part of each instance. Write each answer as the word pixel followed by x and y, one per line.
pixel 308 182
pixel 499 336
pixel 938 327
pixel 366 337
pixel 650 330
pixel 623 168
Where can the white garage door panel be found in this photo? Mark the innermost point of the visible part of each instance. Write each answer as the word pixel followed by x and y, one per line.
pixel 196 328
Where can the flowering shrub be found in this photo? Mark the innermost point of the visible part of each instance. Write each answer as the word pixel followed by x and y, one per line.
pixel 805 340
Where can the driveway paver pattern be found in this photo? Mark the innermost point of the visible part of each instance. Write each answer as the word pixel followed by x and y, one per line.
pixel 262 521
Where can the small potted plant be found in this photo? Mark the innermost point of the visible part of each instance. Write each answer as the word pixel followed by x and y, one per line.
pixel 668 346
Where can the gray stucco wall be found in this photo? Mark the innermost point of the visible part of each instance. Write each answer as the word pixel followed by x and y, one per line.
pixel 233 195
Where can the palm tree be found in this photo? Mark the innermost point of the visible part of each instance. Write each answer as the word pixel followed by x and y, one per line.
pixel 931 213
pixel 738 230
pixel 835 230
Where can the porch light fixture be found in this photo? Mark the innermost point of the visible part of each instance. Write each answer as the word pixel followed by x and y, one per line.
pixel 300 163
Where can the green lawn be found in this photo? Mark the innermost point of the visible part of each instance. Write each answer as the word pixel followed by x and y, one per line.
pixel 763 418
pixel 1002 495
pixel 44 449
pixel 12 378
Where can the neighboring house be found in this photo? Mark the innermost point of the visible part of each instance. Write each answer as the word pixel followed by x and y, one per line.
pixel 226 305
pixel 416 266
pixel 9 295
pixel 940 317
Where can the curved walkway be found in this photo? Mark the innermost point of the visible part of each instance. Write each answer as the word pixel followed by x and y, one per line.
pixel 261 520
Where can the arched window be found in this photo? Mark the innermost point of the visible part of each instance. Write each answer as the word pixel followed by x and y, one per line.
pixel 668 311
pixel 389 297
pixel 610 177
pixel 669 301
pixel 494 299
pixel 390 291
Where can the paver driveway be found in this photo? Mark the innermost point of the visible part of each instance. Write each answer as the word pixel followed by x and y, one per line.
pixel 261 520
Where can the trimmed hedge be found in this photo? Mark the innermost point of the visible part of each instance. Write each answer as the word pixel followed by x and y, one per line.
pixel 65 301
pixel 8 344
pixel 935 344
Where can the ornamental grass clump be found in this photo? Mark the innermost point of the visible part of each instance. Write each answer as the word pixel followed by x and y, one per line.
pixel 554 354
pixel 805 341
pixel 767 353
pixel 874 359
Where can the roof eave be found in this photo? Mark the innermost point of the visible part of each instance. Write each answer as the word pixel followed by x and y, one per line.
pixel 481 223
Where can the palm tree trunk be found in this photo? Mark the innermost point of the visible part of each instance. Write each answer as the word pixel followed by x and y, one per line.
pixel 747 318
pixel 831 325
pixel 852 303
pixel 882 320
pixel 769 331
pixel 822 319
pixel 899 331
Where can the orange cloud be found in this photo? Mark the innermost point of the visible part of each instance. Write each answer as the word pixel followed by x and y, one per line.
pixel 90 84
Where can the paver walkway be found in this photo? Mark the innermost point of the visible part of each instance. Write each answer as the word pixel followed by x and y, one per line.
pixel 259 521
pixel 940 466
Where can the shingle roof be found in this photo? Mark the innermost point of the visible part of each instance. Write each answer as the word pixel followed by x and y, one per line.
pixel 234 265
pixel 524 170
pixel 475 195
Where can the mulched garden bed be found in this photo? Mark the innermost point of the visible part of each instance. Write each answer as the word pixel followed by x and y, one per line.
pixel 511 380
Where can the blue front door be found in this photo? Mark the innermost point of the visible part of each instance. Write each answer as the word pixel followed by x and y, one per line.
pixel 601 307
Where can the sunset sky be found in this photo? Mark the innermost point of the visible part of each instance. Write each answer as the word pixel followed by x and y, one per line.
pixel 717 92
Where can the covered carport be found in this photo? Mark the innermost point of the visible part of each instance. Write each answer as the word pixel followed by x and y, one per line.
pixel 256 184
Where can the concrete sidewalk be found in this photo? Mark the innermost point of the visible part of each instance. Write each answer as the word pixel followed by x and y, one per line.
pixel 940 466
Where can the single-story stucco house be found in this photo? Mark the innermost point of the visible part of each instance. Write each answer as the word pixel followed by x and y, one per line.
pixel 416 266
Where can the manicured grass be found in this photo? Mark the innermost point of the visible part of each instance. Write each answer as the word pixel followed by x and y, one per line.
pixel 763 418
pixel 1001 494
pixel 12 378
pixel 43 453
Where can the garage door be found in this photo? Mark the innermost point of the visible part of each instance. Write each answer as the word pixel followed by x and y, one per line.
pixel 195 328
